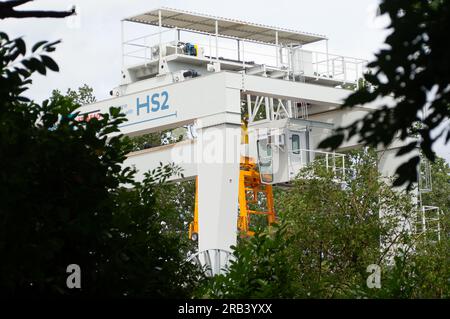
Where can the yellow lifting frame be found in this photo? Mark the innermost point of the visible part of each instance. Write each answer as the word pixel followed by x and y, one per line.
pixel 250 188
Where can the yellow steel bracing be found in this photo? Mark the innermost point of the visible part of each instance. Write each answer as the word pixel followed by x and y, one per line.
pixel 255 198
pixel 193 226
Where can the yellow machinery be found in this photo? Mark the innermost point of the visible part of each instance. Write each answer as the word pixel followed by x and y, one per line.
pixel 255 198
pixel 193 226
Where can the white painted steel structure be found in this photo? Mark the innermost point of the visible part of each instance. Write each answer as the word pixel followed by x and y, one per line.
pixel 292 102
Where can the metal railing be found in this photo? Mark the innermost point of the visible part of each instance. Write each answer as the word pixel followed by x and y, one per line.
pixel 330 161
pixel 428 222
pixel 298 159
pixel 296 62
pixel 327 66
pixel 141 49
pixel 428 217
pixel 425 180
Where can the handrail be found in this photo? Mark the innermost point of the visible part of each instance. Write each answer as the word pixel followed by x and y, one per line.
pixel 147 36
pixel 424 223
pixel 297 62
pixel 333 161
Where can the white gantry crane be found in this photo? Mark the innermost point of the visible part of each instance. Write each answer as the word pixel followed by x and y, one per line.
pixel 222 77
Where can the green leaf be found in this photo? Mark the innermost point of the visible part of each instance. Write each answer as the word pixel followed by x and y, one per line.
pixel 38 45
pixel 50 63
pixel 407 173
pixel 23 72
pixel 49 47
pixel 3 35
pixel 332 142
pixel 406 149
pixel 34 64
pixel 21 46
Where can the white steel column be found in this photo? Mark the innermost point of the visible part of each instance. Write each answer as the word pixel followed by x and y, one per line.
pixel 210 49
pixel 249 108
pixel 328 58
pixel 243 55
pixel 160 33
pixel 122 34
pixel 218 151
pixel 217 40
pixel 218 185
pixel 177 39
pixel 276 43
pixel 238 50
pixel 269 114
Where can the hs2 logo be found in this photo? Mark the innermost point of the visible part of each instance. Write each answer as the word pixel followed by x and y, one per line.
pixel 156 102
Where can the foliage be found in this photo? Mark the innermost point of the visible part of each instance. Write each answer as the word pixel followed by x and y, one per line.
pixel 150 140
pixel 82 96
pixel 146 141
pixel 422 271
pixel 330 233
pixel 178 200
pixel 63 198
pixel 414 71
pixel 339 224
pixel 440 194
pixel 263 268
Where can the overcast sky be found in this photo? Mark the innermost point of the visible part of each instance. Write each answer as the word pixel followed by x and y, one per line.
pixel 91 48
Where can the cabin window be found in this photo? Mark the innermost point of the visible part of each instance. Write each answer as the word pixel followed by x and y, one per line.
pixel 265 161
pixel 295 143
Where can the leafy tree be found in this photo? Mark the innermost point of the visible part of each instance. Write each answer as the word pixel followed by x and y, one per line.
pixel 428 264
pixel 178 199
pixel 155 139
pixel 63 200
pixel 331 232
pixel 422 270
pixel 339 224
pixel 440 194
pixel 82 96
pixel 414 70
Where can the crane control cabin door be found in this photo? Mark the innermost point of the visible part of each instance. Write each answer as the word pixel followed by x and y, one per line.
pixel 265 160
pixel 273 157
pixel 299 151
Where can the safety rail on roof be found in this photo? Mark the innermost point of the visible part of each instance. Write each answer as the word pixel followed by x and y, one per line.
pixel 224 27
pixel 287 63
pixel 260 49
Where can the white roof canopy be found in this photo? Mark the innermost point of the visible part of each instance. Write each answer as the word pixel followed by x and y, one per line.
pixel 189 21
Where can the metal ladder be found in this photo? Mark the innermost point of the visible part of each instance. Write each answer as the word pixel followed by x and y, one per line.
pixel 427 221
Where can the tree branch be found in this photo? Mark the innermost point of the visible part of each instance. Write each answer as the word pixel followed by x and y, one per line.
pixel 39 14
pixel 14 3
pixel 7 11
